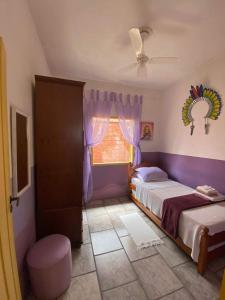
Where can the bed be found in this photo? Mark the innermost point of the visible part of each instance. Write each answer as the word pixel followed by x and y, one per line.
pixel 201 230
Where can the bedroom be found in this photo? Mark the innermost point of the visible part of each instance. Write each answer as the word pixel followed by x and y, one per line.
pixel 89 42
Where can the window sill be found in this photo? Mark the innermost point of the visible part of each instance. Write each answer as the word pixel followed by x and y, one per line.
pixel 111 164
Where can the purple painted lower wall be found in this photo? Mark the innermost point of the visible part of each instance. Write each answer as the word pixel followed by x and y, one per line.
pixel 151 157
pixel 24 231
pixel 111 181
pixel 194 171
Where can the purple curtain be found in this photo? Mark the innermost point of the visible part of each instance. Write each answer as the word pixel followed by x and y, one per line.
pixel 97 111
pixel 129 114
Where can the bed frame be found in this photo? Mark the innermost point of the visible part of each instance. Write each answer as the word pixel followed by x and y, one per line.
pixel 207 241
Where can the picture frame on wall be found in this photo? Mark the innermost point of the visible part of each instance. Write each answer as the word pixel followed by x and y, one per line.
pixel 147 129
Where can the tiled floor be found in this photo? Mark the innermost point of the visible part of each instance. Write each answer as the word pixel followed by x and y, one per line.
pixel 108 266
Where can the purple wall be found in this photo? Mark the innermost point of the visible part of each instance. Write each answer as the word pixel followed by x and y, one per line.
pixel 111 181
pixel 194 171
pixel 24 230
pixel 151 157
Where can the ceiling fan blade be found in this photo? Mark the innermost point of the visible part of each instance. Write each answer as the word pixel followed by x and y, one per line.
pixel 136 40
pixel 129 67
pixel 142 71
pixel 163 60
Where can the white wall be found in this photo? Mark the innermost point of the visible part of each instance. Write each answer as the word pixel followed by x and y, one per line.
pixel 25 58
pixel 150 109
pixel 24 52
pixel 174 136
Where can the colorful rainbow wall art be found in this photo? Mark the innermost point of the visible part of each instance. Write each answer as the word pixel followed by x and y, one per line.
pixel 199 93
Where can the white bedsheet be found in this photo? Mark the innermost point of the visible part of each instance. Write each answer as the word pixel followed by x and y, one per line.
pixel 191 221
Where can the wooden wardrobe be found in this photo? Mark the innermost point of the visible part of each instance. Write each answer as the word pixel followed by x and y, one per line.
pixel 58 133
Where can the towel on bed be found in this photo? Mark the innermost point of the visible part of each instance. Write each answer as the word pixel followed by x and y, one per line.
pixel 173 207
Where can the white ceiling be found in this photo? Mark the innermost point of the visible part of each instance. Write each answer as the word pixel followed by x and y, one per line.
pixel 88 39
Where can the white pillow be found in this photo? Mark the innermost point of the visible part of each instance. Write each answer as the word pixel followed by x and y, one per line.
pixel 151 174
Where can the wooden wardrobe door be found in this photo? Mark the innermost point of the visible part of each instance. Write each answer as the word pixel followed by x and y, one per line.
pixel 58 127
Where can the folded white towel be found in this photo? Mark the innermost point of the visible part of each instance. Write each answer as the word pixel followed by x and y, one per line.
pixel 207 190
pixel 219 197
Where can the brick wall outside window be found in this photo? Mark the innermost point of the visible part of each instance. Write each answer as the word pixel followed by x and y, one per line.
pixel 114 148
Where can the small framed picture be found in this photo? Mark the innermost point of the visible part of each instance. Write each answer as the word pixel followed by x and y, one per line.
pixel 147 131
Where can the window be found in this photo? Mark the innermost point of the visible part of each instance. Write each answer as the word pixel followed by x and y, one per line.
pixel 114 149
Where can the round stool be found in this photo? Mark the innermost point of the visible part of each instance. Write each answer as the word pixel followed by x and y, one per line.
pixel 50 266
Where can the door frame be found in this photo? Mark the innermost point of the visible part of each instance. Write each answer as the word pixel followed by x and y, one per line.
pixel 222 292
pixel 9 279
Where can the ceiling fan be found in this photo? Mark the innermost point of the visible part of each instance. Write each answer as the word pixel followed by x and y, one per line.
pixel 137 36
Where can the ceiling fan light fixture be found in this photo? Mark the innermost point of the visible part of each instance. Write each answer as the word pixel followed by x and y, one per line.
pixel 142 58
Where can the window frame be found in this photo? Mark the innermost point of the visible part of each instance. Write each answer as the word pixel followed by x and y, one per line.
pixel 131 153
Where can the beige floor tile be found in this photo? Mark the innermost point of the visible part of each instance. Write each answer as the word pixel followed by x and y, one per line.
pixel 157 230
pixel 130 291
pixel 171 253
pixel 86 235
pixel 114 208
pixel 141 213
pixel 178 295
pixel 111 201
pixel 117 222
pixel 83 287
pixel 100 223
pixel 82 260
pixel 117 213
pixel 146 219
pixel 105 241
pixel 213 279
pixel 119 226
pixel 94 212
pixel 132 251
pixel 95 203
pixel 156 277
pixel 125 199
pixel 130 207
pixel 200 287
pixel 114 269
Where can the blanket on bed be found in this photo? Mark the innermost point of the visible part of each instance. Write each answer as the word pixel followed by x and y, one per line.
pixel 173 207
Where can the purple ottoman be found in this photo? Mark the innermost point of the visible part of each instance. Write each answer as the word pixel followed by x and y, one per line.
pixel 50 266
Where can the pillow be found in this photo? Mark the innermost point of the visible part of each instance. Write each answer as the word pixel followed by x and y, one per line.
pixel 139 177
pixel 151 174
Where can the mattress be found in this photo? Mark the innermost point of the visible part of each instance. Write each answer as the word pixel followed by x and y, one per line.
pixel 192 221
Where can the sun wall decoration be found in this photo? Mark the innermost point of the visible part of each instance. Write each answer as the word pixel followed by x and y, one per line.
pixel 199 93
